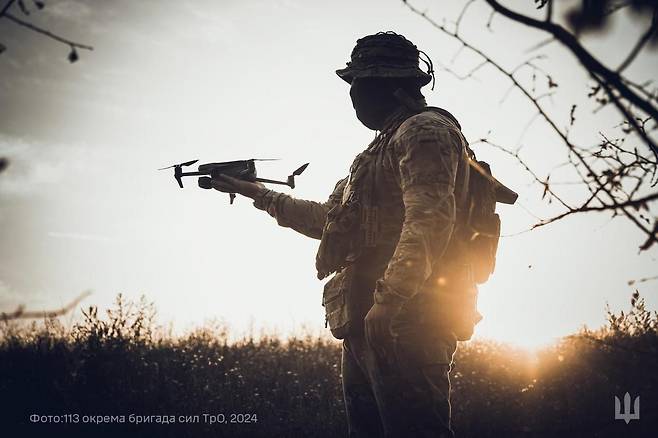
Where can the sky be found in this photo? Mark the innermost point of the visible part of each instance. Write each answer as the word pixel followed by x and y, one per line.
pixel 82 206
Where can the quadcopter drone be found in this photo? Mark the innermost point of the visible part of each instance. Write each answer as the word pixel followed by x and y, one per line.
pixel 240 169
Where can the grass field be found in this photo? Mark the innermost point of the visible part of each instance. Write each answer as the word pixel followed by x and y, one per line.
pixel 120 363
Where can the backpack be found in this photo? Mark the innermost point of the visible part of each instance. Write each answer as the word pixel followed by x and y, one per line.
pixel 481 229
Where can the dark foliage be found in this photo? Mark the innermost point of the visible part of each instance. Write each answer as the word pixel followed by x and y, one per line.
pixel 124 364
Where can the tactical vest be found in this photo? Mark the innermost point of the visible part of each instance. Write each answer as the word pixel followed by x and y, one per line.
pixel 361 235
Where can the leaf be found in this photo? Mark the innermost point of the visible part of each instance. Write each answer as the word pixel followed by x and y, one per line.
pixel 73 55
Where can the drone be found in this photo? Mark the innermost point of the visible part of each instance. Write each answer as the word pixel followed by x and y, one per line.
pixel 240 169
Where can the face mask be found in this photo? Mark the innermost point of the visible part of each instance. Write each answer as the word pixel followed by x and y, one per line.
pixel 373 100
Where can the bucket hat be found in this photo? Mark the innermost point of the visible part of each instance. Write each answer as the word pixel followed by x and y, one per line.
pixel 386 55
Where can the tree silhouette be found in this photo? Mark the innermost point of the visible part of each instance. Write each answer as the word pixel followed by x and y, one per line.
pixel 618 173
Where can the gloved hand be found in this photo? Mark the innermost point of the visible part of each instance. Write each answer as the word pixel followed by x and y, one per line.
pixel 378 326
pixel 228 184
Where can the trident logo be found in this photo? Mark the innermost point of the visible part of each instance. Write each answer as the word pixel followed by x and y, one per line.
pixel 627 416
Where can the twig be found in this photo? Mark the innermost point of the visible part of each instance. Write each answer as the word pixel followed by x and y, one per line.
pixel 20 313
pixel 640 43
pixel 588 61
pixel 597 184
pixel 461 15
pixel 46 32
pixel 642 280
pixel 6 7
pixel 631 203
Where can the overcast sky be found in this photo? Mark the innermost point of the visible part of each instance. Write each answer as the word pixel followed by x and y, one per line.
pixel 83 207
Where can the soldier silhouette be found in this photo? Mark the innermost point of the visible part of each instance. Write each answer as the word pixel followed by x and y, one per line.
pixel 402 293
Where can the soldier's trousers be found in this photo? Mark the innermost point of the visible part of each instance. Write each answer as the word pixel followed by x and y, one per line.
pixel 403 393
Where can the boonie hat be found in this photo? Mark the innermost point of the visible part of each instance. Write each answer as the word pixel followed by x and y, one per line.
pixel 386 55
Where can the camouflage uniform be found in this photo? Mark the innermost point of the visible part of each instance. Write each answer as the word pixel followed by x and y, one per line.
pixel 408 183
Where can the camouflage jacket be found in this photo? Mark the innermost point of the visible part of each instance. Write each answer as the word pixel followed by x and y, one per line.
pixel 412 176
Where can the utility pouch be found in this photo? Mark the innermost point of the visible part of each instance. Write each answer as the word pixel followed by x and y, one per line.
pixel 483 246
pixel 454 303
pixel 338 239
pixel 459 312
pixel 335 303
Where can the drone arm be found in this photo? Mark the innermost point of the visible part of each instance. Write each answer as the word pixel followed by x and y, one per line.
pixel 271 181
pixel 291 178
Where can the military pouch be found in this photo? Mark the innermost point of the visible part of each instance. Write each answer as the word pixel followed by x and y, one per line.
pixel 484 245
pixel 338 237
pixel 453 304
pixel 464 315
pixel 335 303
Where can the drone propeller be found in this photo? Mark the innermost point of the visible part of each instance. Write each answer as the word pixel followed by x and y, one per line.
pixel 187 163
pixel 300 170
pixel 291 178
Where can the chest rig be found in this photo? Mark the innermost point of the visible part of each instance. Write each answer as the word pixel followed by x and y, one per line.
pixel 354 224
pixel 360 193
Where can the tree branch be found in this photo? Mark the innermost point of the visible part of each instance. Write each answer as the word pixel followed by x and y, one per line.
pixel 585 58
pixel 46 32
pixel 21 314
pixel 641 42
pixel 6 7
pixel 631 203
pixel 597 184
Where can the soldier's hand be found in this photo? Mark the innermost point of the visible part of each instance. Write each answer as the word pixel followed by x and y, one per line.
pixel 228 184
pixel 378 326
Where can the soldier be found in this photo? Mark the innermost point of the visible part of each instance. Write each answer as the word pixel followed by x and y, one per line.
pixel 402 293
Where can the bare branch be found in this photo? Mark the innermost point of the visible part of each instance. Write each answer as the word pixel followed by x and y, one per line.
pixel 45 32
pixel 640 43
pixel 540 44
pixel 642 280
pixel 604 185
pixel 461 15
pixel 633 203
pixel 6 7
pixel 490 20
pixel 517 157
pixel 20 313
pixel 586 59
pixel 627 114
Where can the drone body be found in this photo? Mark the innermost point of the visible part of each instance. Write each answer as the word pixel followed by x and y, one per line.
pixel 240 169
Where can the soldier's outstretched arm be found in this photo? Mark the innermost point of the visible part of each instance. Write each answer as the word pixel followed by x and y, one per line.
pixel 428 155
pixel 305 217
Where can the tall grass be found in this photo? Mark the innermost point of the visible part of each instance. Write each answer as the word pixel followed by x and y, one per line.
pixel 122 363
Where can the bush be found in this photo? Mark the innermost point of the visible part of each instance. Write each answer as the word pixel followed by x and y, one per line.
pixel 124 364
